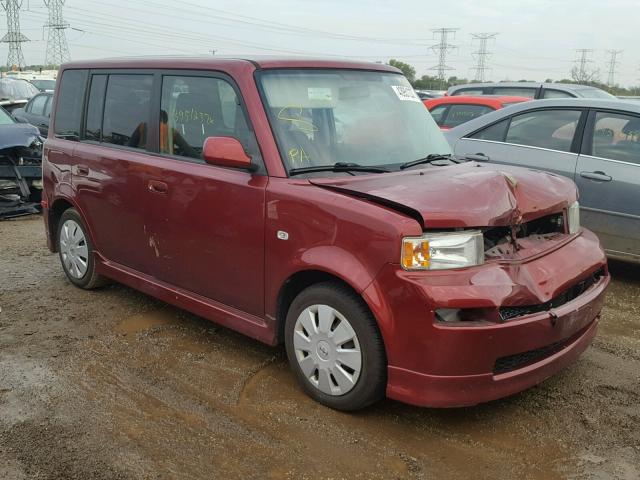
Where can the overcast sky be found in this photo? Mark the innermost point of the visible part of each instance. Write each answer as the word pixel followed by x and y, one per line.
pixel 537 38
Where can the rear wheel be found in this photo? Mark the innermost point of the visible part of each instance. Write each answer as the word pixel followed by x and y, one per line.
pixel 334 347
pixel 76 252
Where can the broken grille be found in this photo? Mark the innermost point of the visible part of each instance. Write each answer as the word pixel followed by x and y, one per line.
pixel 508 313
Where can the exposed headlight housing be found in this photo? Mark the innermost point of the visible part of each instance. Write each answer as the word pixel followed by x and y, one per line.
pixel 439 251
pixel 573 217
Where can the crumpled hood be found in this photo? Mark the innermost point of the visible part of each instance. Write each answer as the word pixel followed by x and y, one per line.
pixel 18 135
pixel 467 195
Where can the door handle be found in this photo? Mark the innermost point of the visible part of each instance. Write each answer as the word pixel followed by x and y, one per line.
pixel 157 186
pixel 597 176
pixel 478 157
pixel 82 170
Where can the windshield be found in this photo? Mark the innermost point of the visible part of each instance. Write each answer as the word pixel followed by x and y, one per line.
pixel 322 117
pixel 593 93
pixel 5 117
pixel 13 89
pixel 44 84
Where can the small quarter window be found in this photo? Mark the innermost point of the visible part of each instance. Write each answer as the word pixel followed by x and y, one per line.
pixel 495 132
pixel 549 93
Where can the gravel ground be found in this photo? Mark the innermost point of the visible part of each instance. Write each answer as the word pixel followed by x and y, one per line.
pixel 112 384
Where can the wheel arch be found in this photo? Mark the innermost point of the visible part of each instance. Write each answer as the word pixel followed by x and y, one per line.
pixel 301 280
pixel 56 209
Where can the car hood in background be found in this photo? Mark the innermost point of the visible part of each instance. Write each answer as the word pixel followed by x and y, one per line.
pixel 18 135
pixel 466 195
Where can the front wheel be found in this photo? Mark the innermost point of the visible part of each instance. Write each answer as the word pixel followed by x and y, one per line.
pixel 335 348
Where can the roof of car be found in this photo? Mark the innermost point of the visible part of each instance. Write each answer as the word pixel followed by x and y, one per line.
pixel 220 62
pixel 495 101
pixel 489 118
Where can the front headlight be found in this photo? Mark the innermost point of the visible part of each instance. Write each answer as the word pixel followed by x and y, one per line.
pixel 438 251
pixel 573 217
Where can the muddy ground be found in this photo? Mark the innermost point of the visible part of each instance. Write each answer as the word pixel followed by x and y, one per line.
pixel 112 384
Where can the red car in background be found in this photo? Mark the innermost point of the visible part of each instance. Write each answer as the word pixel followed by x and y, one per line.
pixel 449 112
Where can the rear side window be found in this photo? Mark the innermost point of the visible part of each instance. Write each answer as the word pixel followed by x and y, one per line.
pixel 37 104
pixel 515 91
pixel 459 114
pixel 469 91
pixel 194 108
pixel 552 129
pixel 93 128
pixel 69 104
pixel 617 137
pixel 126 110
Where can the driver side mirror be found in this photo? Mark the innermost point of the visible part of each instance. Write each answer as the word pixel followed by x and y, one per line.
pixel 226 152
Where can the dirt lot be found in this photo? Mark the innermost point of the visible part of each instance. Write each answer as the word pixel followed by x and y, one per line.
pixel 112 384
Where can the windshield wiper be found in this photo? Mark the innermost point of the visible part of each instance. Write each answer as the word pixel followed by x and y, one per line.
pixel 428 159
pixel 338 167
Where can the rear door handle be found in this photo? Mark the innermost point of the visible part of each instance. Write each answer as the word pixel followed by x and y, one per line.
pixel 478 157
pixel 82 170
pixel 157 186
pixel 598 176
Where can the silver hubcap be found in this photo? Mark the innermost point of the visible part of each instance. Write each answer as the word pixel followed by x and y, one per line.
pixel 73 249
pixel 327 349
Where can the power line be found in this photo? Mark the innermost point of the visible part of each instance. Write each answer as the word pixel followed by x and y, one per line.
pixel 442 49
pixel 482 54
pixel 613 55
pixel 57 48
pixel 14 37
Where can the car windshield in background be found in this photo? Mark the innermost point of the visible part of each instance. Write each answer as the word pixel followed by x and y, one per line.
pixel 44 84
pixel 356 117
pixel 15 89
pixel 594 93
pixel 5 117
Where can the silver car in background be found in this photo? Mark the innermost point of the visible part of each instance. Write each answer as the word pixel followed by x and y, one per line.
pixel 594 142
pixel 534 90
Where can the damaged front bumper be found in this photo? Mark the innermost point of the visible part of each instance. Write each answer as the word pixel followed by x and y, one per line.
pixel 21 175
pixel 436 363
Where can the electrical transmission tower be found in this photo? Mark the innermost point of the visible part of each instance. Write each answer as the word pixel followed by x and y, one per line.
pixel 443 48
pixel 613 61
pixel 14 37
pixel 482 55
pixel 57 48
pixel 581 71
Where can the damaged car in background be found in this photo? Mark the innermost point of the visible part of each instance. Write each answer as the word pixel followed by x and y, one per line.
pixel 20 167
pixel 15 93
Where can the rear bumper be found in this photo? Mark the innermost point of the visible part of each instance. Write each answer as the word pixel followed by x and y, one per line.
pixel 443 365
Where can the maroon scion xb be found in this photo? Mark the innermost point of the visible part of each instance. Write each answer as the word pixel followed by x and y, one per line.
pixel 315 203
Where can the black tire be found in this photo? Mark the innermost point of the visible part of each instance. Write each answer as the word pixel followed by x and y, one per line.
pixel 371 384
pixel 90 279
